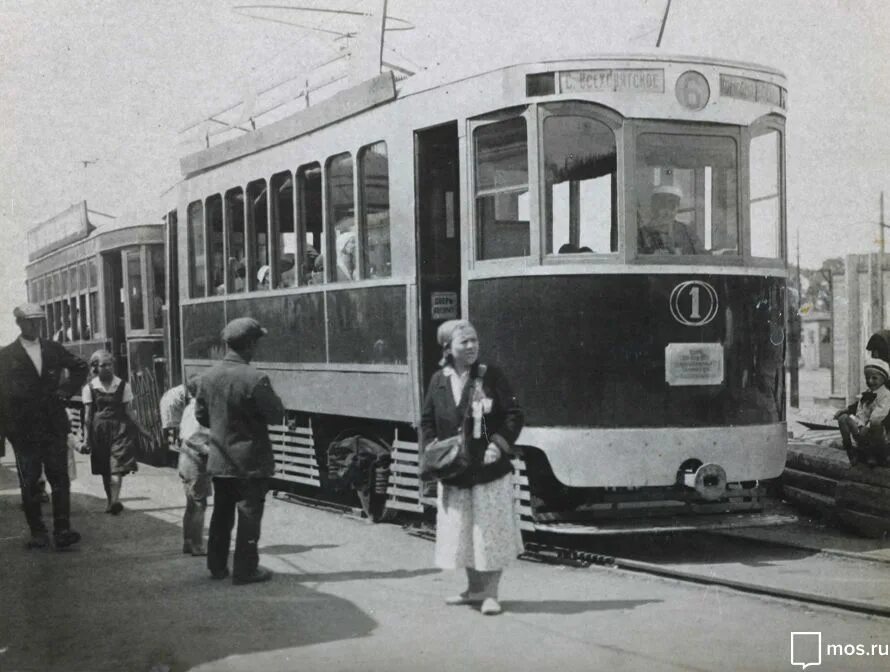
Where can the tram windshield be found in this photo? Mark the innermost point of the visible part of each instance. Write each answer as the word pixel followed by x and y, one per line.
pixel 687 194
pixel 580 167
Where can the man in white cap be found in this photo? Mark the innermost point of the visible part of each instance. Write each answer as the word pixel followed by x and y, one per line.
pixel 33 397
pixel 237 403
pixel 665 234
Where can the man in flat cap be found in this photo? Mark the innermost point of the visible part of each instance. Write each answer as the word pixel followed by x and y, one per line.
pixel 237 403
pixel 33 396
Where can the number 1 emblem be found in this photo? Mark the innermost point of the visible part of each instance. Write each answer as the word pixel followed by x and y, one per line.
pixel 694 303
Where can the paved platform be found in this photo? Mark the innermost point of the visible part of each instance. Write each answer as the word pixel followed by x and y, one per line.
pixel 350 596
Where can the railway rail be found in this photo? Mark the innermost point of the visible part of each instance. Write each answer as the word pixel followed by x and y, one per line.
pixel 760 567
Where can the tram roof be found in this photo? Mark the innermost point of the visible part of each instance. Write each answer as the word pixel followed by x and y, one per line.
pixel 98 226
pixel 387 88
pixel 445 75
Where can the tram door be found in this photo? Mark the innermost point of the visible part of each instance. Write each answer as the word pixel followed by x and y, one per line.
pixel 115 324
pixel 437 182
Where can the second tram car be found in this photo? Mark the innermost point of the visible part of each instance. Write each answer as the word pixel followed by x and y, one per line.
pixel 613 226
pixel 101 281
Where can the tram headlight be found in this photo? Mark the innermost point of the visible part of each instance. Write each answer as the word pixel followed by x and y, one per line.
pixel 692 90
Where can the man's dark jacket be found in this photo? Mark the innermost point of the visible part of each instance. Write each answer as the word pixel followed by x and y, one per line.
pixel 32 406
pixel 237 403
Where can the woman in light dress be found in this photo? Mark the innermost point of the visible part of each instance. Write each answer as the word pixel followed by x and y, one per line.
pixel 477 523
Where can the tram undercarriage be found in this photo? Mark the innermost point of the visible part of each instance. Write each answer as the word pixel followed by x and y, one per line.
pixel 700 498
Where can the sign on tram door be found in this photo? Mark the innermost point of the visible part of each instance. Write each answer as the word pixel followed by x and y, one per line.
pixel 443 306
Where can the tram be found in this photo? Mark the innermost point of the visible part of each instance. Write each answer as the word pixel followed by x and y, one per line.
pixel 543 201
pixel 101 281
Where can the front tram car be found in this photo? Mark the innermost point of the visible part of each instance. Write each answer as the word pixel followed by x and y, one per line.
pixel 614 227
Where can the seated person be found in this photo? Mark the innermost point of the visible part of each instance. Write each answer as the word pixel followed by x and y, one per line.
pixel 862 423
pixel 346 265
pixel 263 277
pixel 309 257
pixel 288 271
pixel 665 234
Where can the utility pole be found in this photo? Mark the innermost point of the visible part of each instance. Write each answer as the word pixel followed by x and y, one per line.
pixel 794 338
pixel 883 226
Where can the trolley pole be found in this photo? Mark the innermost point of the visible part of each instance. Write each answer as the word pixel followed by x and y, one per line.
pixel 664 20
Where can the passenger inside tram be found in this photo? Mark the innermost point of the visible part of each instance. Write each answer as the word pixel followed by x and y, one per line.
pixel 346 265
pixel 288 272
pixel 665 233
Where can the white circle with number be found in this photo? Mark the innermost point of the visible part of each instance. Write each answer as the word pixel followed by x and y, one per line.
pixel 694 303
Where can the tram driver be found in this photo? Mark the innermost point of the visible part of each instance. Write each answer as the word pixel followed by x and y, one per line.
pixel 665 234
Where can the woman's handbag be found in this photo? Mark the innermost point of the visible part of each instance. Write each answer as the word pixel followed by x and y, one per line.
pixel 444 459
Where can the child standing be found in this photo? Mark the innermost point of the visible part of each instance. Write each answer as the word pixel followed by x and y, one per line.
pixel 862 423
pixel 111 428
pixel 178 410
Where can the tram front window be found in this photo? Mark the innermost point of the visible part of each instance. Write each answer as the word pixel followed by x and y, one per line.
pixel 502 203
pixel 580 161
pixel 765 203
pixel 687 195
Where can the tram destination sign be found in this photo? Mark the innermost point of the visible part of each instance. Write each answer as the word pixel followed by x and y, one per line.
pixel 66 227
pixel 636 80
pixel 753 90
pixel 693 364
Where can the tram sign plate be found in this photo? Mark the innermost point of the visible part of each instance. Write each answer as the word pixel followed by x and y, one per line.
pixel 637 80
pixel 444 305
pixel 693 364
pixel 753 90
pixel 66 227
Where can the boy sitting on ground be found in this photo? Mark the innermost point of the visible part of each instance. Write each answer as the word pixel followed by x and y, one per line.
pixel 862 423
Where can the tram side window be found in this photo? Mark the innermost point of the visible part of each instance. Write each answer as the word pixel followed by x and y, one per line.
pixel 85 331
pixel 311 223
pixel 158 294
pixel 502 205
pixel 196 250
pixel 766 198
pixel 687 194
pixel 374 185
pixel 236 264
pixel 134 290
pixel 74 331
pixel 215 245
pixel 63 334
pixel 257 233
pixel 341 211
pixel 284 239
pixel 580 168
pixel 93 298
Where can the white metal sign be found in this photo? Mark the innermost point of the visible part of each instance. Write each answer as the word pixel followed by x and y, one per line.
pixel 693 364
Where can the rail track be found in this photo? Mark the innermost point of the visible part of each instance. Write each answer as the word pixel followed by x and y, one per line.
pixel 768 568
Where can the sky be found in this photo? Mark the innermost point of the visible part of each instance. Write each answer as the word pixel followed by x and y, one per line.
pixel 115 81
